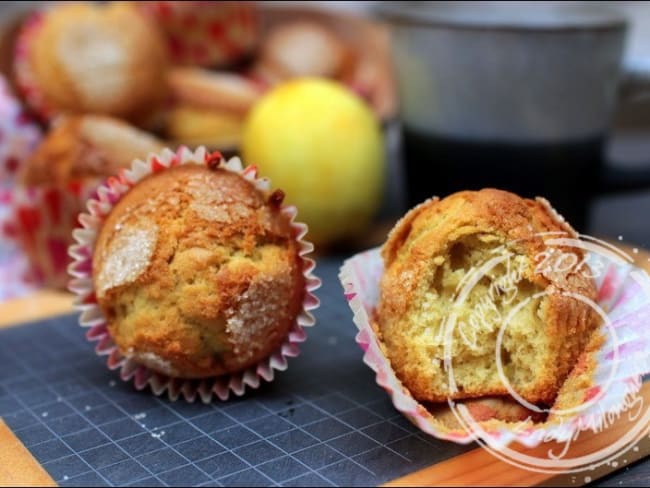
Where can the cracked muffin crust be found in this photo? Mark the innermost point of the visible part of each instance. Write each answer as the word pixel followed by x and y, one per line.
pixel 428 255
pixel 198 272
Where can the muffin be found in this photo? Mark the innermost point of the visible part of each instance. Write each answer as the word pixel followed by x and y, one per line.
pixel 211 34
pixel 92 58
pixel 194 127
pixel 198 272
pixel 85 149
pixel 543 310
pixel 54 183
pixel 301 48
pixel 208 107
pixel 213 90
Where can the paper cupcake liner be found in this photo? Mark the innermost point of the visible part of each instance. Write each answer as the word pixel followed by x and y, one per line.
pixel 40 221
pixel 18 134
pixel 210 34
pixel 24 76
pixel 13 262
pixel 91 315
pixel 608 374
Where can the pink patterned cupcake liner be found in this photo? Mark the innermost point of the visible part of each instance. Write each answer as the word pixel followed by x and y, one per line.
pixel 18 134
pixel 601 391
pixel 206 33
pixel 91 315
pixel 14 266
pixel 39 221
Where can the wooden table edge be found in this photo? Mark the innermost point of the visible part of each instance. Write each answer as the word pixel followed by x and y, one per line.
pixel 41 304
pixel 17 465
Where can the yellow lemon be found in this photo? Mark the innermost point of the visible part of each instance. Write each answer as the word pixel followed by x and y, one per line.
pixel 322 145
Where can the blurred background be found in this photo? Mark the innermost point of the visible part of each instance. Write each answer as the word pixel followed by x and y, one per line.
pixel 357 110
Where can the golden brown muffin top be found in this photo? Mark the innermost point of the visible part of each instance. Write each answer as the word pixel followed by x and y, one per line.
pixel 197 272
pixel 431 227
pixel 86 147
pixel 243 219
pixel 99 58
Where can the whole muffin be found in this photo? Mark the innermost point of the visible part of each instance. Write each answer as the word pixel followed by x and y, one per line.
pixel 198 272
pixel 92 58
pixel 78 153
pixel 85 149
pixel 302 48
pixel 430 256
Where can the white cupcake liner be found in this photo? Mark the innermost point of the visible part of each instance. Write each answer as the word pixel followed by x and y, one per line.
pixel 91 315
pixel 623 291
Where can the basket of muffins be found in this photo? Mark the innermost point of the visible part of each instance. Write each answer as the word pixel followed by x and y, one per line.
pixel 486 317
pixel 89 87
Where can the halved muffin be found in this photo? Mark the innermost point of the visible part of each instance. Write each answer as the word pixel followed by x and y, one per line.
pixel 483 260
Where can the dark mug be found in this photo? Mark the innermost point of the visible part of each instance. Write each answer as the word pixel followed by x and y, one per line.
pixel 517 96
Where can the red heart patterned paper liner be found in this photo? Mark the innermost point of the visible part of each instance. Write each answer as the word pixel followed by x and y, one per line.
pixel 91 315
pixel 39 221
pixel 207 34
pixel 19 135
pixel 603 379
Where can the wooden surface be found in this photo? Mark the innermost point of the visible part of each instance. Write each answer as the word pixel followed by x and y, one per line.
pixel 475 468
pixel 17 466
pixel 36 306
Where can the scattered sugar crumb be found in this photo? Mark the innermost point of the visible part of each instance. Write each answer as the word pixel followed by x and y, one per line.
pixel 614 464
pixel 158 435
pixel 620 238
pixel 87 408
pixel 65 478
pixel 635 250
pixel 587 479
pixel 635 448
pixel 44 414
pixel 59 399
pixel 139 416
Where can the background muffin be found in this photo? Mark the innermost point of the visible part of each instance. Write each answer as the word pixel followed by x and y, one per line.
pixel 208 107
pixel 198 272
pixel 85 148
pixel 92 58
pixel 429 253
pixel 54 183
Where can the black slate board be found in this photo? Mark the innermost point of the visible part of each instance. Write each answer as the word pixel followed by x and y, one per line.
pixel 322 422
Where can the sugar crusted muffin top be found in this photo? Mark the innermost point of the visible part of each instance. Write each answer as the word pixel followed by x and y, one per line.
pixel 198 272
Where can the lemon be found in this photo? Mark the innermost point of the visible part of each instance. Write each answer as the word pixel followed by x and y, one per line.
pixel 321 144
